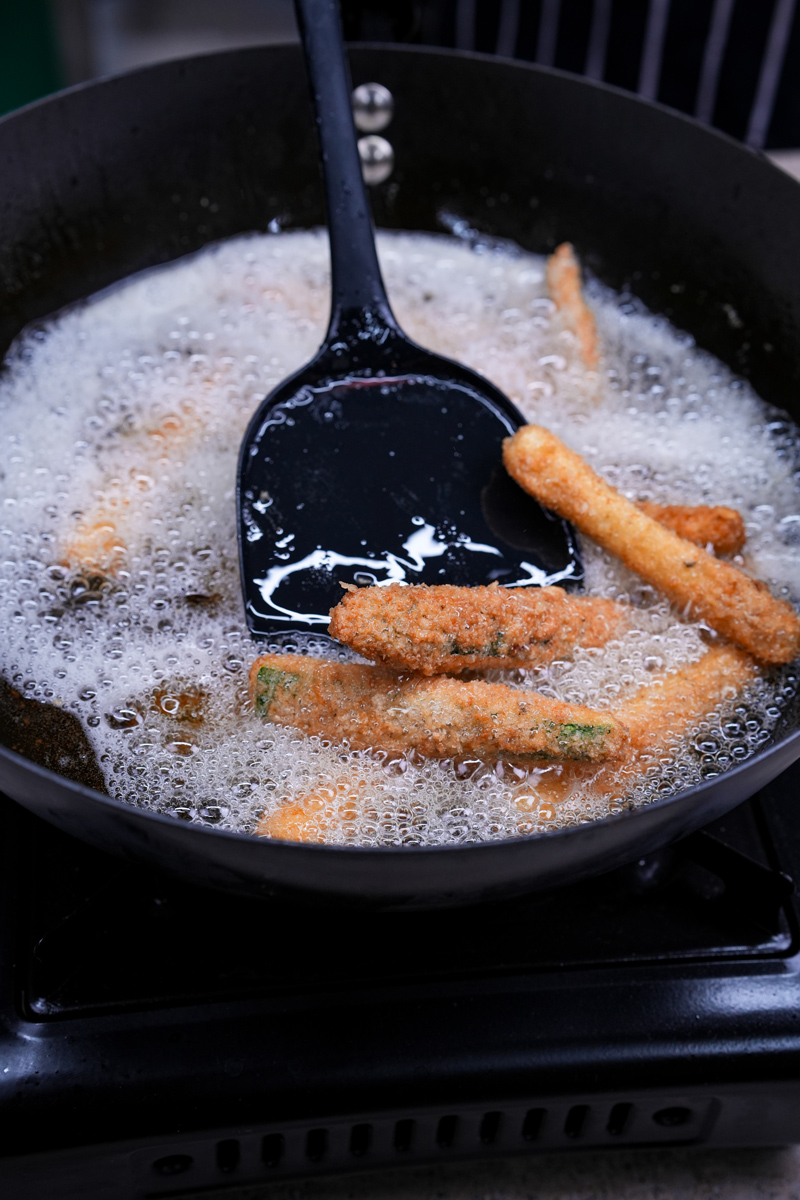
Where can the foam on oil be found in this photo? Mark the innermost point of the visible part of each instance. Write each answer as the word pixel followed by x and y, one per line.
pixel 121 424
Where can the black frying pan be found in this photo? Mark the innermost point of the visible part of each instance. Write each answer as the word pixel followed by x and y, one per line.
pixel 108 178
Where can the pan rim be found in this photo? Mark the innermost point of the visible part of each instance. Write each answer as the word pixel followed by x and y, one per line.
pixel 447 52
pixel 788 747
pixel 683 797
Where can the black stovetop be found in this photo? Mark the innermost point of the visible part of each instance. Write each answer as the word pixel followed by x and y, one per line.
pixel 137 1006
pixel 101 936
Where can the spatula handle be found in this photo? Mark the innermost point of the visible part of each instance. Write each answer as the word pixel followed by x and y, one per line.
pixel 356 281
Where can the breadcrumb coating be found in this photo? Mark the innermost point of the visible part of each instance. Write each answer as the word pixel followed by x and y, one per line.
pixel 563 275
pixel 704 524
pixel 717 526
pixel 99 540
pixel 311 816
pixel 669 708
pixel 446 629
pixel 701 586
pixel 657 717
pixel 375 708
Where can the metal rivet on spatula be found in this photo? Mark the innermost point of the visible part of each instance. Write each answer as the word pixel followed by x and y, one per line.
pixel 373 107
pixel 377 158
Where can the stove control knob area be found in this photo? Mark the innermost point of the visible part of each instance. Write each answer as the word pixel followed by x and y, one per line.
pixel 671 1118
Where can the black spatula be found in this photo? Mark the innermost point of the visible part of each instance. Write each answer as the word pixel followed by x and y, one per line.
pixel 378 461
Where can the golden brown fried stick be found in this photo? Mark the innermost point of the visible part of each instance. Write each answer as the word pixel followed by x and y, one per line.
pixel 373 707
pixel 720 527
pixel 704 524
pixel 564 283
pixel 657 717
pixel 740 608
pixel 313 814
pixel 99 541
pixel 446 629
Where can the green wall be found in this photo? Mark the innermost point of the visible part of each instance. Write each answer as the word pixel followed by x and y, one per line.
pixel 29 62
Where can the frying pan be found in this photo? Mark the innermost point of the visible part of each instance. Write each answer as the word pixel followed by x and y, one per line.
pixel 115 176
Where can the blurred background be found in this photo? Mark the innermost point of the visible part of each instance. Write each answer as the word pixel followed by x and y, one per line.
pixel 734 64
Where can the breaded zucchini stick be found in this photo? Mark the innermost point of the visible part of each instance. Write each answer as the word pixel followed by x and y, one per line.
pixel 373 707
pixel 312 815
pixel 704 524
pixel 720 527
pixel 740 608
pixel 446 629
pixel 657 717
pixel 100 539
pixel 564 282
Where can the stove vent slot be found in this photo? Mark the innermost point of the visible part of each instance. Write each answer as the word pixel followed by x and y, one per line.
pixel 576 1120
pixel 228 1155
pixel 532 1125
pixel 173 1164
pixel 670 1118
pixel 618 1119
pixel 360 1140
pixel 490 1127
pixel 272 1147
pixel 404 1135
pixel 316 1144
pixel 446 1131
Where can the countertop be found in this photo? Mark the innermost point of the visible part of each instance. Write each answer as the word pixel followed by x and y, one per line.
pixel 620 1175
